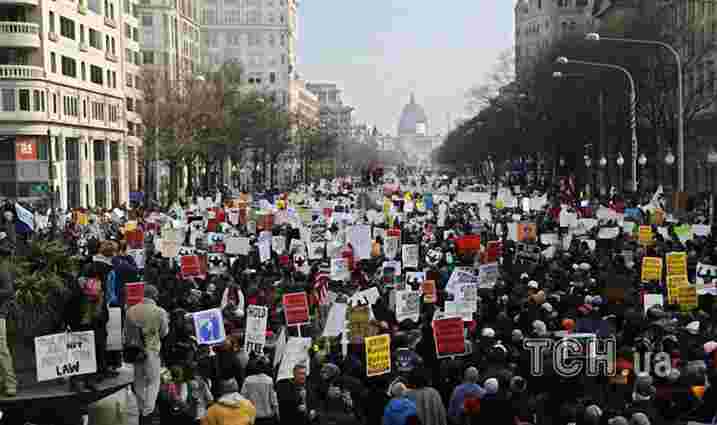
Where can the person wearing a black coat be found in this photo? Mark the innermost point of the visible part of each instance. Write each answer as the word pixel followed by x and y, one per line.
pixel 7 369
pixel 296 400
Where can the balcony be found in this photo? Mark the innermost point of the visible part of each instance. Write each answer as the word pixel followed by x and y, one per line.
pixel 110 22
pixel 110 57
pixel 25 2
pixel 20 72
pixel 19 34
pixel 83 46
pixel 82 8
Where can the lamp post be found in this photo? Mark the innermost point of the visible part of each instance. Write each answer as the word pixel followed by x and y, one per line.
pixel 562 60
pixel 604 174
pixel 670 161
pixel 642 160
pixel 680 98
pixel 51 185
pixel 588 165
pixel 620 162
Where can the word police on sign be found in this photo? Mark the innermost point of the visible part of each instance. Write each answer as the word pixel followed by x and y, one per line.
pixel 65 354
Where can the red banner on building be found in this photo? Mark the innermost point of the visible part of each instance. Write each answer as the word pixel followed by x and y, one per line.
pixel 134 293
pixel 25 149
pixel 448 334
pixel 296 308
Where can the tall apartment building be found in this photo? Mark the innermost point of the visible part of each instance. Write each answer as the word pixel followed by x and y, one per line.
pixel 303 103
pixel 62 96
pixel 540 23
pixel 170 37
pixel 333 113
pixel 261 35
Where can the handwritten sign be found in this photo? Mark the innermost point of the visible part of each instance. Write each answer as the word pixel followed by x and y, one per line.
pixel 408 305
pixel 676 263
pixel 255 335
pixel 296 308
pixel 410 255
pixel 134 293
pixel 378 355
pixel 428 288
pixel 645 235
pixel 651 269
pixel 190 266
pixel 65 354
pixel 448 334
pixel 359 322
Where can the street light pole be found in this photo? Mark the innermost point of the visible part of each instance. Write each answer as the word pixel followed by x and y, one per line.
pixel 680 99
pixel 633 106
pixel 51 188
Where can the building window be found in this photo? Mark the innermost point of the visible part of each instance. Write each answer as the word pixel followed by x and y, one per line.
pixel 53 62
pixel 69 67
pixel 8 100
pixel 95 39
pixel 581 3
pixel 36 100
pixel 146 20
pixel 148 58
pixel 137 59
pixel 128 80
pixel 127 31
pixel 67 28
pixel 96 74
pixel 54 103
pixel 135 34
pixel 24 98
pixel 130 104
pixel 563 3
pixel 52 21
pixel 272 77
pixel 109 78
pixel 84 108
pixel 82 33
pixel 83 71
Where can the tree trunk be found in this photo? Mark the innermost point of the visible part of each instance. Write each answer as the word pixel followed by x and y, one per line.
pixel 190 179
pixel 173 181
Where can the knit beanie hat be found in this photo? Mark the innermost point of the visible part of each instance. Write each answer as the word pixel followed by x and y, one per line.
pixel 617 420
pixel 593 413
pixel 639 418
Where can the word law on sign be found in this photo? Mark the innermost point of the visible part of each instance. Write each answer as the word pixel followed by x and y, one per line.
pixel 65 354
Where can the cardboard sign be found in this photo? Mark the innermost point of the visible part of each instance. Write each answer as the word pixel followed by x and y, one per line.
pixel 676 263
pixel 651 269
pixel 190 266
pixel 468 245
pixel 209 326
pixel 65 354
pixel 378 355
pixel 255 335
pixel 448 334
pixel 134 293
pixel 294 351
pixel 296 308
pixel 359 322
pixel 428 288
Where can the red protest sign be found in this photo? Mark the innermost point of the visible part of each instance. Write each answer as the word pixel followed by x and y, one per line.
pixel 493 251
pixel 394 232
pixel 134 293
pixel 448 334
pixel 296 308
pixel 468 244
pixel 135 239
pixel 190 266
pixel 428 288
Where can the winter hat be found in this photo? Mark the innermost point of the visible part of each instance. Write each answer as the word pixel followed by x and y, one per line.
pixel 516 335
pixel 710 346
pixel 597 300
pixel 491 386
pixel 331 370
pixel 639 418
pixel 693 327
pixel 593 413
pixel 228 386
pixel 487 333
pixel 547 307
pixel 533 284
pixel 568 324
pixel 518 384
pixel 540 328
pixel 618 420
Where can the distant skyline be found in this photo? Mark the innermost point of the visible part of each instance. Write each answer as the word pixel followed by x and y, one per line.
pixel 380 51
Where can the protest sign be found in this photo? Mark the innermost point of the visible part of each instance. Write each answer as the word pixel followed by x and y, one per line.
pixel 296 351
pixel 255 335
pixel 169 248
pixel 209 326
pixel 340 269
pixel 134 293
pixel 428 288
pixel 676 263
pixel 410 256
pixel 296 308
pixel 378 355
pixel 448 334
pixel 488 275
pixel 674 284
pixel 687 297
pixel 190 266
pixel 139 257
pixel 408 305
pixel 651 269
pixel 461 309
pixel 360 238
pixel 645 235
pixel 65 354
pixel 706 274
pixel 527 232
pixel 391 247
pixel 359 322
pixel 278 244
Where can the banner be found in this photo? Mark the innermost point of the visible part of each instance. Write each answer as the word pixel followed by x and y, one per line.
pixel 255 335
pixel 674 284
pixel 448 334
pixel 651 269
pixel 134 293
pixel 296 308
pixel 408 306
pixel 378 355
pixel 65 354
pixel 209 326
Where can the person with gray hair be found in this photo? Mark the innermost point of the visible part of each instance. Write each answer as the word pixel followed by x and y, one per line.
pixel 400 410
pixel 465 399
pixel 153 321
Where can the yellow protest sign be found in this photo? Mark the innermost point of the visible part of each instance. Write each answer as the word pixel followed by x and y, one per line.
pixel 688 298
pixel 645 235
pixel 674 283
pixel 651 269
pixel 130 226
pixel 359 322
pixel 676 263
pixel 378 355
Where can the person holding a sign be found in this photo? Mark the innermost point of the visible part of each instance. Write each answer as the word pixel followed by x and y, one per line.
pixel 7 370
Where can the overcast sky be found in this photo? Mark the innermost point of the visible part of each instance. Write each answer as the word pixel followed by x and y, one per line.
pixel 379 51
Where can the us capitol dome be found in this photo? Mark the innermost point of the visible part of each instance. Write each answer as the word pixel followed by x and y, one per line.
pixel 413 120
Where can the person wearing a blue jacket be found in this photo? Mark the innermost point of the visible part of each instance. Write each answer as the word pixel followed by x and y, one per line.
pixel 400 410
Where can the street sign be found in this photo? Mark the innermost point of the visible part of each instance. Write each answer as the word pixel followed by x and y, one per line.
pixel 37 188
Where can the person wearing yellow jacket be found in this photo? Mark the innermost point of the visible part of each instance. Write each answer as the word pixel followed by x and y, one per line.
pixel 231 408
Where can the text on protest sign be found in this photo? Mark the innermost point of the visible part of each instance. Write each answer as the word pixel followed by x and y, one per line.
pixel 378 355
pixel 448 334
pixel 296 308
pixel 209 326
pixel 255 335
pixel 65 354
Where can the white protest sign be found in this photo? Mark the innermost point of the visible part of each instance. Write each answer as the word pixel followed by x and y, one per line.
pixel 339 269
pixel 360 238
pixel 391 246
pixel 336 322
pixel 488 275
pixel 295 352
pixel 264 245
pixel 237 246
pixel 409 255
pixel 255 336
pixel 408 305
pixel 65 354
pixel 278 244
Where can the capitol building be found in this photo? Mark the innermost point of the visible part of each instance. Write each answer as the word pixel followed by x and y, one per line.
pixel 413 139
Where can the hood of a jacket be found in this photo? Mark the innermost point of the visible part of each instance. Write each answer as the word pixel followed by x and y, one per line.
pixel 234 400
pixel 400 407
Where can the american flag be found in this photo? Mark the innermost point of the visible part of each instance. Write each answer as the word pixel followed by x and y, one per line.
pixel 320 292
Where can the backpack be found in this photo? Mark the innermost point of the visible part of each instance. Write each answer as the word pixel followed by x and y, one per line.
pixel 133 349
